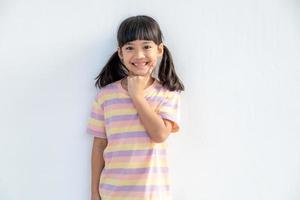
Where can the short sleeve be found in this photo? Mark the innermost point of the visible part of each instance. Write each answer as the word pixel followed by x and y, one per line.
pixel 96 125
pixel 169 109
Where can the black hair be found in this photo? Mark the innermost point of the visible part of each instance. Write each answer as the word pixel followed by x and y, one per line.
pixel 140 27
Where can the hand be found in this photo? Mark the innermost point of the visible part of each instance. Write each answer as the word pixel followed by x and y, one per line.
pixel 137 83
pixel 95 196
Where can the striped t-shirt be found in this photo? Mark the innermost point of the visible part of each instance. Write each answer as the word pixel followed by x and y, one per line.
pixel 136 167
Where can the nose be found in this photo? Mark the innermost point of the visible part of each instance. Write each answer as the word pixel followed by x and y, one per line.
pixel 139 53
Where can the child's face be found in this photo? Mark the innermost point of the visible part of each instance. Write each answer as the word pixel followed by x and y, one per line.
pixel 140 56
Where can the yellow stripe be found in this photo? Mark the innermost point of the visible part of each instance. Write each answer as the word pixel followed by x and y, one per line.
pixel 134 165
pixel 113 95
pixel 118 112
pixel 95 122
pixel 168 110
pixel 95 107
pixel 139 127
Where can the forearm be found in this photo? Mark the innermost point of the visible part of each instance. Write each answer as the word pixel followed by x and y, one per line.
pixel 97 166
pixel 153 123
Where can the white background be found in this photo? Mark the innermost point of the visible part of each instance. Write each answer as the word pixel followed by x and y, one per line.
pixel 239 61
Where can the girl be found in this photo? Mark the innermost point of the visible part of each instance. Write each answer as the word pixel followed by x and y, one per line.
pixel 132 116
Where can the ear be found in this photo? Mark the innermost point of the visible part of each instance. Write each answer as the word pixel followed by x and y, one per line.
pixel 120 53
pixel 160 49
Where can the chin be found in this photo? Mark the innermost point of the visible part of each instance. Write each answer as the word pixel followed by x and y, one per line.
pixel 141 73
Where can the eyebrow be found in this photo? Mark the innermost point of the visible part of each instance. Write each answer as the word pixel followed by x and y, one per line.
pixel 130 43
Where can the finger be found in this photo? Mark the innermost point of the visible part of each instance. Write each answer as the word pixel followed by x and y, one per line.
pixel 150 70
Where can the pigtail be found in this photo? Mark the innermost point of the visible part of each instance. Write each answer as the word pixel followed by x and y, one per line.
pixel 167 74
pixel 112 71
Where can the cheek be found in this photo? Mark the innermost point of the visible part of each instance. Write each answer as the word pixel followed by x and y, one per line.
pixel 154 61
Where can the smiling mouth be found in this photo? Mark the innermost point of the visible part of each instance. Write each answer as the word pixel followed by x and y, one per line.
pixel 141 64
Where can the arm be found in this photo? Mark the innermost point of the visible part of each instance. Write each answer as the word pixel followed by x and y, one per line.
pixel 157 128
pixel 99 145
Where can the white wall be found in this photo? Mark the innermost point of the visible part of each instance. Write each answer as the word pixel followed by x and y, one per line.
pixel 239 61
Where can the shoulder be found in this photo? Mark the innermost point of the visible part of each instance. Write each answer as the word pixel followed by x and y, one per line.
pixel 106 91
pixel 165 92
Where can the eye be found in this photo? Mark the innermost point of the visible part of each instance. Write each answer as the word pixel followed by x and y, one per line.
pixel 148 47
pixel 128 48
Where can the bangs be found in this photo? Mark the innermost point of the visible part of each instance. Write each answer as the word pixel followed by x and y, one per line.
pixel 139 28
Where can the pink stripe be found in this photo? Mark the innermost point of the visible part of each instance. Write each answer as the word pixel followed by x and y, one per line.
pixel 95 110
pixel 95 128
pixel 135 176
pixel 131 140
pixel 141 159
pixel 120 106
pixel 109 90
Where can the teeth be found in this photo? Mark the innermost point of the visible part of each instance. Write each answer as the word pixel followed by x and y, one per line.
pixel 140 64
